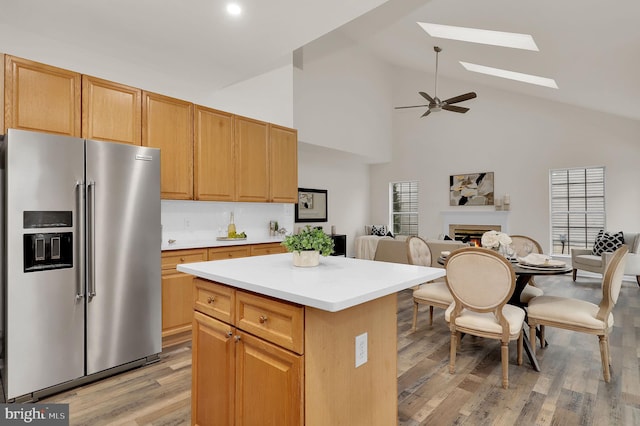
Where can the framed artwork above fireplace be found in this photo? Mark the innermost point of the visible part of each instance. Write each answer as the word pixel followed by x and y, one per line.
pixel 471 189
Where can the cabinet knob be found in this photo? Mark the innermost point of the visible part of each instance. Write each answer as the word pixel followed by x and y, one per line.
pixel 182 259
pixel 211 299
pixel 263 319
pixel 229 333
pixel 236 338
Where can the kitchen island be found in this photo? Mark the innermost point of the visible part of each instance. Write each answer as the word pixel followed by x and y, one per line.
pixel 277 344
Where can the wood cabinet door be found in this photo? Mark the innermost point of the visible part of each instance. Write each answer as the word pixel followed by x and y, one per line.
pixel 269 384
pixel 111 111
pixel 283 153
pixel 167 123
pixel 267 248
pixel 213 367
pixel 214 167
pixel 177 303
pixel 2 71
pixel 221 253
pixel 252 158
pixel 41 97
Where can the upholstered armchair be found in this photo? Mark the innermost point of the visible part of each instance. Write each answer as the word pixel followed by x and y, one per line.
pixel 585 259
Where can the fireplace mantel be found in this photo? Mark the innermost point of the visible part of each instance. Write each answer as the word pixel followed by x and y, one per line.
pixel 475 217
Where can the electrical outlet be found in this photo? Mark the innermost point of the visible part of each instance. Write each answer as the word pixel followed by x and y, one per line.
pixel 361 349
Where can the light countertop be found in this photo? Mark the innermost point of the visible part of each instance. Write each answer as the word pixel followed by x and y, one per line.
pixel 337 283
pixel 190 243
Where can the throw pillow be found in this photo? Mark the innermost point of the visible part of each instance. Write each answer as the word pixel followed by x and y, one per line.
pixel 380 230
pixel 389 234
pixel 607 242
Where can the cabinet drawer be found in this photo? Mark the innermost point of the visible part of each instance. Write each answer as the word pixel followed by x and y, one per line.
pixel 269 248
pixel 213 299
pixel 277 322
pixel 221 253
pixel 175 257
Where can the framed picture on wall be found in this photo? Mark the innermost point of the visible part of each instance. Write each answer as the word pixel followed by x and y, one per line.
pixel 471 189
pixel 312 205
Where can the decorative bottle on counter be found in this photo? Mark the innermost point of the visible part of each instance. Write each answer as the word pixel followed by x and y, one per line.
pixel 231 229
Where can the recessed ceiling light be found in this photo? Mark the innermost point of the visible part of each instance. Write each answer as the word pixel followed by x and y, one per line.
pixel 473 35
pixel 234 9
pixel 512 75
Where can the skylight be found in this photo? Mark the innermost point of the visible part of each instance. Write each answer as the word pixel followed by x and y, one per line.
pixel 474 35
pixel 527 78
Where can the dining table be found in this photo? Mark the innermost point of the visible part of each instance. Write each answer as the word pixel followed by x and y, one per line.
pixel 524 272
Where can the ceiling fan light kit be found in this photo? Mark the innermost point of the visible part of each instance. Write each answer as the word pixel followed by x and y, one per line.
pixel 435 104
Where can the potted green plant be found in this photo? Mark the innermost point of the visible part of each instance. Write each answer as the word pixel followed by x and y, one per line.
pixel 308 245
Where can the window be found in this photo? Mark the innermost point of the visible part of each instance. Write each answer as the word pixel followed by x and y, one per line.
pixel 404 207
pixel 577 207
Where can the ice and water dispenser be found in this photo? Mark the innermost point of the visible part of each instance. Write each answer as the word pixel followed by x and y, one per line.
pixel 47 250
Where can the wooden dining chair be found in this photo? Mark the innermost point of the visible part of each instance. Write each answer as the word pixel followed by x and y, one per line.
pixel 524 245
pixel 580 315
pixel 481 282
pixel 433 293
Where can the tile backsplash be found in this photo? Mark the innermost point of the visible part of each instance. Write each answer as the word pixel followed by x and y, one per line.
pixel 202 220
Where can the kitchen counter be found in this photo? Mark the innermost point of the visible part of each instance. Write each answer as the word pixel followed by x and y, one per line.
pixel 189 243
pixel 337 283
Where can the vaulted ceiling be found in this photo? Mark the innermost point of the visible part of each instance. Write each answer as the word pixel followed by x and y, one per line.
pixel 591 48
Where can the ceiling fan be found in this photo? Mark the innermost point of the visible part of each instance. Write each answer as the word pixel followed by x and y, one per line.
pixel 435 104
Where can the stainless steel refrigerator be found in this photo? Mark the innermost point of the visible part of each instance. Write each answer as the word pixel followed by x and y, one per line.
pixel 81 238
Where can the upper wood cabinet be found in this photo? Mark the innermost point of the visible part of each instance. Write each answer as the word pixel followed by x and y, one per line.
pixel 252 159
pixel 167 123
pixel 41 97
pixel 214 171
pixel 283 153
pixel 111 111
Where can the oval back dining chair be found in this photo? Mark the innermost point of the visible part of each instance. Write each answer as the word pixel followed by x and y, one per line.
pixel 481 282
pixel 433 293
pixel 580 315
pixel 523 245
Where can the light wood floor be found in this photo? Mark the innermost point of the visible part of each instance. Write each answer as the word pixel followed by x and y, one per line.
pixel 569 390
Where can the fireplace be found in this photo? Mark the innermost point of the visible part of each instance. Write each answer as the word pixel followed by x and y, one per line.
pixel 473 223
pixel 471 234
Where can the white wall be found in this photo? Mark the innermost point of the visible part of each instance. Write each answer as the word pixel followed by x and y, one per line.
pixel 267 97
pixel 342 98
pixel 346 179
pixel 517 137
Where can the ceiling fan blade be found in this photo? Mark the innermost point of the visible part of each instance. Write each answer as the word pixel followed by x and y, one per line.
pixel 412 106
pixel 455 108
pixel 460 98
pixel 427 97
pixel 426 113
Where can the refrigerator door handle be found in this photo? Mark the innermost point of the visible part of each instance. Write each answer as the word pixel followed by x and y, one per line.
pixel 91 282
pixel 80 193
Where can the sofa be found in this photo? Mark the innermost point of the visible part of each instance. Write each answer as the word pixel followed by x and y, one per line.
pixel 585 259
pixel 395 250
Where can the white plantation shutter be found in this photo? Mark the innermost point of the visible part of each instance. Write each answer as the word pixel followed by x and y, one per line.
pixel 577 207
pixel 404 208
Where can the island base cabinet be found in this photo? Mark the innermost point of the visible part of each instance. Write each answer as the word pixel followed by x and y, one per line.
pixel 244 377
